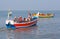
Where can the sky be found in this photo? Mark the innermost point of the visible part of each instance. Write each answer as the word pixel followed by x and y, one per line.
pixel 30 4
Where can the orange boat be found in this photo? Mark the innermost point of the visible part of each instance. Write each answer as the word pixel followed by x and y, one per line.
pixel 13 24
pixel 42 15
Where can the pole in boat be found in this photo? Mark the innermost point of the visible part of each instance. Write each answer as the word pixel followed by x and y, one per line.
pixel 9 13
pixel 29 14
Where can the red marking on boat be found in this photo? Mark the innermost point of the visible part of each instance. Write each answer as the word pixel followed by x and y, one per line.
pixel 25 24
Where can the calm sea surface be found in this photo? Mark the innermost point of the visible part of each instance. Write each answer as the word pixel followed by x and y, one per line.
pixel 46 28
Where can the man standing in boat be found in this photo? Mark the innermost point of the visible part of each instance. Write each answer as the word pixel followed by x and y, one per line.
pixel 29 16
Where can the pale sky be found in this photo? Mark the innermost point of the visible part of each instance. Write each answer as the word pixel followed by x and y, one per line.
pixel 30 4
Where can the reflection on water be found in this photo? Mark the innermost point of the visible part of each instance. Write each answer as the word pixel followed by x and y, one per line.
pixel 24 33
pixel 27 29
pixel 21 32
pixel 10 34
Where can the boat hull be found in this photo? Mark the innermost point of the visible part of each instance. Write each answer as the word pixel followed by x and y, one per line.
pixel 18 25
pixel 27 24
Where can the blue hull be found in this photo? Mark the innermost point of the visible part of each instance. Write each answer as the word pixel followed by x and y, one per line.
pixel 9 26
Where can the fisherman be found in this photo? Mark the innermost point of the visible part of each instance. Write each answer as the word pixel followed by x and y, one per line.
pixel 29 17
pixel 20 19
pixel 15 19
pixel 25 20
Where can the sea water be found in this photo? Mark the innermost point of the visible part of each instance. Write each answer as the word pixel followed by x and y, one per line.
pixel 46 28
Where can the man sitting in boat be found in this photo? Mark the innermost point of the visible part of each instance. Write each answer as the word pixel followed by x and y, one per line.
pixel 20 19
pixel 25 20
pixel 15 19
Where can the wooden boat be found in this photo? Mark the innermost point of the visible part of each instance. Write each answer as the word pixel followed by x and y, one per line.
pixel 41 15
pixel 11 24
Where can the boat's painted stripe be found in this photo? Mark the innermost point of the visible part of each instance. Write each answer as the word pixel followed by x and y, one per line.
pixel 26 24
pixel 21 26
pixel 46 17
